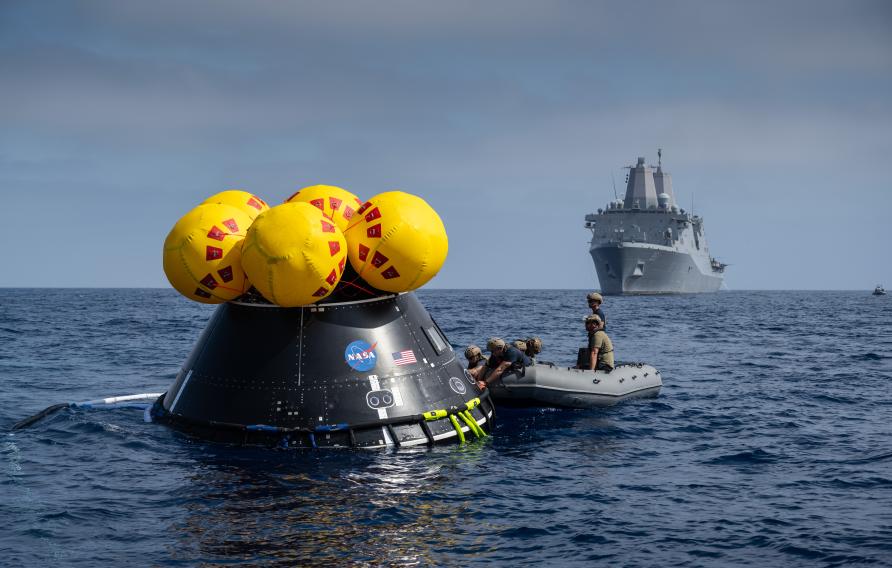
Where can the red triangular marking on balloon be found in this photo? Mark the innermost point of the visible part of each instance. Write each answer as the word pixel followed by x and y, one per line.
pixel 334 203
pixel 334 247
pixel 363 252
pixel 332 278
pixel 201 293
pixel 320 292
pixel 254 203
pixel 372 215
pixel 327 227
pixel 209 282
pixel 231 225
pixel 390 273
pixel 225 273
pixel 213 253
pixel 216 234
pixel 379 259
pixel 320 203
pixel 348 212
pixel 342 264
pixel 374 232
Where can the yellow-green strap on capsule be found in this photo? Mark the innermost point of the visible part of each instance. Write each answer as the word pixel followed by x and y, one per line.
pixel 473 403
pixel 435 414
pixel 478 426
pixel 461 435
pixel 472 424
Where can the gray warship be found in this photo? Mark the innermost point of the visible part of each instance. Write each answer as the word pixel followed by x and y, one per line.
pixel 646 244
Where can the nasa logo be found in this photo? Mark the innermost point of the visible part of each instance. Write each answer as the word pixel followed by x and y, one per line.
pixel 361 356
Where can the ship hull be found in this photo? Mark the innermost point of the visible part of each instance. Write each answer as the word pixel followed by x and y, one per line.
pixel 639 268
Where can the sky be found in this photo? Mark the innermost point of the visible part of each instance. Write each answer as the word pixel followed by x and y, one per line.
pixel 509 117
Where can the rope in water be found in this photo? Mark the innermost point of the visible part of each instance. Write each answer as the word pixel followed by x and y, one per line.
pixel 126 401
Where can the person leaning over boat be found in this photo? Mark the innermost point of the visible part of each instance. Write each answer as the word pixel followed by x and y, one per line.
pixel 503 358
pixel 600 348
pixel 594 302
pixel 475 357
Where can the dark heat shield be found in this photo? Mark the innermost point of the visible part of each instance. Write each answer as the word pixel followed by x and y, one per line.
pixel 366 373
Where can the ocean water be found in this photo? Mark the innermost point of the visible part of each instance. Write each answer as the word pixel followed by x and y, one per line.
pixel 769 445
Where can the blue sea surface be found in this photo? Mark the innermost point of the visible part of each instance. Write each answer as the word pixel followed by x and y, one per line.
pixel 769 445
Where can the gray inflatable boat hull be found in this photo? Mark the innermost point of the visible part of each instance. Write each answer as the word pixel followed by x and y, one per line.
pixel 545 384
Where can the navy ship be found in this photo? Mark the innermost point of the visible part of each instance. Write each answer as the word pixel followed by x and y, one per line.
pixel 646 244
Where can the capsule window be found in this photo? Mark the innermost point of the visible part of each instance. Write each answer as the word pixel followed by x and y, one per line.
pixel 435 338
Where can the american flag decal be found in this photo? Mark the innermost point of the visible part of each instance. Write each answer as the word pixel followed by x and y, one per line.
pixel 406 357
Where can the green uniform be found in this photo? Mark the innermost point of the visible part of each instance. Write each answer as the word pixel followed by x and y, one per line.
pixel 602 343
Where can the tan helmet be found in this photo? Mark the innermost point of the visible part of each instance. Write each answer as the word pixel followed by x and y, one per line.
pixel 594 318
pixel 594 296
pixel 534 346
pixel 520 344
pixel 473 352
pixel 495 343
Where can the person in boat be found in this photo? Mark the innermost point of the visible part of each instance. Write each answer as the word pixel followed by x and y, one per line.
pixel 534 347
pixel 600 348
pixel 475 357
pixel 503 359
pixel 594 302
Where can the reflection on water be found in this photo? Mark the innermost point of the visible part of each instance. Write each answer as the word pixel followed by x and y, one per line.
pixel 296 507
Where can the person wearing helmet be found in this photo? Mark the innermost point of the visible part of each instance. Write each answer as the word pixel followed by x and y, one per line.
pixel 599 353
pixel 503 358
pixel 594 302
pixel 534 347
pixel 475 357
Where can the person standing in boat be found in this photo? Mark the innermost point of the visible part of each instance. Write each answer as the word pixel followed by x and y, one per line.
pixel 503 358
pixel 594 302
pixel 475 357
pixel 600 348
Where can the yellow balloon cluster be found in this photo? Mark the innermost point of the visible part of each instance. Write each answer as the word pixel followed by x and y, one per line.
pixel 397 242
pixel 295 254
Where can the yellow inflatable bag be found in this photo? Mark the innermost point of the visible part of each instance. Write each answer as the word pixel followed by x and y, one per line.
pixel 247 202
pixel 396 242
pixel 294 255
pixel 339 205
pixel 202 253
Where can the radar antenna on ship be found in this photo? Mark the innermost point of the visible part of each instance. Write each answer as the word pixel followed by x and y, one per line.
pixel 659 158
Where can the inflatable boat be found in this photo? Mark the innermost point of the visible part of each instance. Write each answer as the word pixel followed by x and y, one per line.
pixel 546 384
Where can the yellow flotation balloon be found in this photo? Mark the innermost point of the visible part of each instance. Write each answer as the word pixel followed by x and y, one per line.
pixel 336 203
pixel 202 253
pixel 396 242
pixel 294 255
pixel 247 202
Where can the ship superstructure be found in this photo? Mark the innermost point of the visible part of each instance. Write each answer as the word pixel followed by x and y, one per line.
pixel 646 244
